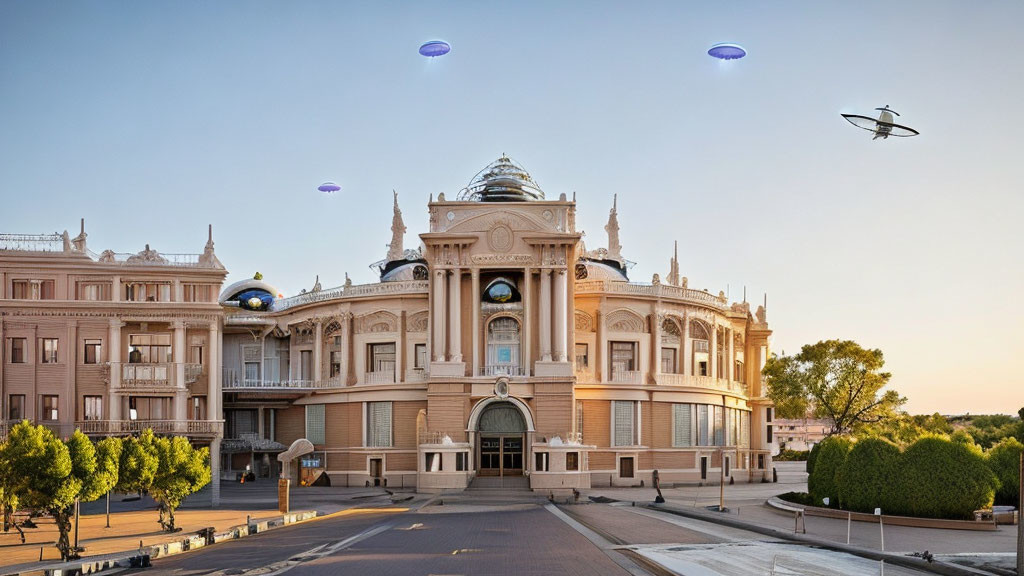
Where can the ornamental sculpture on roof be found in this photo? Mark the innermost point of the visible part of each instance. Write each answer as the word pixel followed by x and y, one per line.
pixel 395 249
pixel 614 247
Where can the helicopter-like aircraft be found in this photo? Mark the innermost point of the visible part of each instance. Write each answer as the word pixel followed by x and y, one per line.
pixel 883 126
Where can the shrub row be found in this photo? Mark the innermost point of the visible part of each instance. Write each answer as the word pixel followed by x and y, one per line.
pixel 934 477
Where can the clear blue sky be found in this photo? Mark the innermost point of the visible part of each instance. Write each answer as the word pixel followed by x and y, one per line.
pixel 152 119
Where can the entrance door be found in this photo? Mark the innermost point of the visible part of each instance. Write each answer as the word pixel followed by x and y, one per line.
pixel 501 455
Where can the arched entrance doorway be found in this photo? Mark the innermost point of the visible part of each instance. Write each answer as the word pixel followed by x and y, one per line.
pixel 502 438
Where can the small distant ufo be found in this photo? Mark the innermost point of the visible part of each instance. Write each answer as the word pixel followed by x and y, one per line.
pixel 329 187
pixel 727 51
pixel 435 48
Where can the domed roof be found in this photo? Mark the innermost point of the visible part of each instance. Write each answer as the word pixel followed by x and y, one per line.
pixel 502 181
pixel 587 269
pixel 251 294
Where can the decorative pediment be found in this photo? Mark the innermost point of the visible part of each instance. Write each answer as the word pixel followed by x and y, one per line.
pixel 584 322
pixel 381 321
pixel 417 321
pixel 625 321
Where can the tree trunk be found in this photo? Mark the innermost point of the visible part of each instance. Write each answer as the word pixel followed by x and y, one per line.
pixel 62 518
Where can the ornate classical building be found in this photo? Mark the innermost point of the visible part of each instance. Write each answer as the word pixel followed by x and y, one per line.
pixel 501 351
pixel 110 343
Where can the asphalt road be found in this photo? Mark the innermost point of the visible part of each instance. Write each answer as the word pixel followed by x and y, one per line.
pixel 515 542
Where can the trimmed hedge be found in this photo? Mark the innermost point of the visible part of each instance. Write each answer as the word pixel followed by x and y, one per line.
pixel 830 458
pixel 791 456
pixel 812 457
pixel 867 478
pixel 939 478
pixel 1004 460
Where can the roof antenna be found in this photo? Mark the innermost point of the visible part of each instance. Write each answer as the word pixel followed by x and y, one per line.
pixel 744 294
pixel 209 237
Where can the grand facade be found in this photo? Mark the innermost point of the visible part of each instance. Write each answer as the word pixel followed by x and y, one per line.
pixel 500 352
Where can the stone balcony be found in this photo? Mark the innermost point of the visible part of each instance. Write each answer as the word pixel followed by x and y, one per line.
pixel 191 428
pixel 152 376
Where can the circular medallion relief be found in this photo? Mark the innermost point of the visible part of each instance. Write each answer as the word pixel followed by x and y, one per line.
pixel 500 238
pixel 450 216
pixel 501 388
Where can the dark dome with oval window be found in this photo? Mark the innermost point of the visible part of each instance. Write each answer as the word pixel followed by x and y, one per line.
pixel 501 291
pixel 502 181
pixel 253 295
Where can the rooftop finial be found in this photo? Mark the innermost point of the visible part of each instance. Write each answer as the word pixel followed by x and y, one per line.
pixel 208 258
pixel 673 268
pixel 396 250
pixel 614 247
pixel 79 241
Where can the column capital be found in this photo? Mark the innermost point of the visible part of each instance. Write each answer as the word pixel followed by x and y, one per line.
pixel 116 323
pixel 178 324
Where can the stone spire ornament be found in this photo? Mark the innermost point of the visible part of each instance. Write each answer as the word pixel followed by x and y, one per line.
pixel 673 267
pixel 395 249
pixel 614 248
pixel 208 259
pixel 79 241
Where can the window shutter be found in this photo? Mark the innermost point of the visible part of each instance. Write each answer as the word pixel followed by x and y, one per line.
pixel 624 414
pixel 315 423
pixel 682 416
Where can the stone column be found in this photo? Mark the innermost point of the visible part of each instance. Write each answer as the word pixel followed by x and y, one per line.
pixel 730 360
pixel 215 472
pixel 545 315
pixel 687 361
pixel 180 390
pixel 260 423
pixel 178 295
pixel 527 321
pixel 213 389
pixel 475 286
pixel 655 347
pixel 115 289
pixel 71 363
pixel 114 356
pixel 3 357
pixel 455 317
pixel 600 355
pixel 346 348
pixel 713 349
pixel 318 353
pixel 560 315
pixel 400 349
pixel 437 322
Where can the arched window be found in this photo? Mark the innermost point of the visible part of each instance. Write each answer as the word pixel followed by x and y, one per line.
pixel 700 337
pixel 501 291
pixel 503 347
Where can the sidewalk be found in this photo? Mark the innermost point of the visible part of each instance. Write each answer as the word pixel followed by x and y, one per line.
pixel 134 523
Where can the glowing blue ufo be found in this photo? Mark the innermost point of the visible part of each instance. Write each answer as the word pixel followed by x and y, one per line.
pixel 435 48
pixel 727 51
pixel 328 187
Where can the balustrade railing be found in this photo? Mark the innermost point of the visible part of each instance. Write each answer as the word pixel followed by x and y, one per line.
pixel 417 375
pixel 382 377
pixel 32 242
pixel 502 370
pixel 352 291
pixel 626 377
pixel 259 384
pixel 163 427
pixel 658 290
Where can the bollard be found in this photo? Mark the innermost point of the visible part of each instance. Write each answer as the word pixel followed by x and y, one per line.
pixel 849 521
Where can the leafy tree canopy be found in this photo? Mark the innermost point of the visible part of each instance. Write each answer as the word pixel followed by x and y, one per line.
pixel 836 380
pixel 182 470
pixel 138 463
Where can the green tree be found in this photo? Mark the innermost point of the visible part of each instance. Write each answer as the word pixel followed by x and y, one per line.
pixel 904 429
pixel 183 469
pixel 867 478
pixel 830 458
pixel 836 380
pixel 138 463
pixel 1004 460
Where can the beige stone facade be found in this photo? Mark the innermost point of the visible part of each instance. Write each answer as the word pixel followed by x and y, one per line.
pixel 110 343
pixel 502 348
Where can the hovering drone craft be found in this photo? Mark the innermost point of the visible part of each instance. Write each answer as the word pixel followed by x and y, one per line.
pixel 883 126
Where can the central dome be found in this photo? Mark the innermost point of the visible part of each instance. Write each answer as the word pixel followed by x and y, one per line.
pixel 502 181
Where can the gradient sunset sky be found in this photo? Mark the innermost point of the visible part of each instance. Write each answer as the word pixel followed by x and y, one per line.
pixel 153 119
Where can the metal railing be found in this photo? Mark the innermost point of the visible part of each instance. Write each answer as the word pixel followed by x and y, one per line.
pixel 162 427
pixel 417 375
pixel 382 377
pixel 32 242
pixel 626 377
pixel 352 291
pixel 154 375
pixel 502 370
pixel 260 384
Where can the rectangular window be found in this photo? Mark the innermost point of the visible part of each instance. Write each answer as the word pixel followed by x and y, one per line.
pixel 626 467
pixel 624 418
pixel 719 416
pixel 378 424
pixel 33 290
pixel 199 407
pixel 49 349
pixel 623 355
pixel 419 356
pixel 93 352
pixel 20 290
pixel 337 340
pixel 682 425
pixel 195 354
pixel 147 292
pixel 306 365
pixel 461 461
pixel 335 363
pixel 93 407
pixel 196 292
pixel 668 360
pixel 94 291
pixel 50 411
pixel 579 418
pixel 768 414
pixel 315 430
pixel 149 348
pixel 703 439
pixel 252 371
pixel 572 461
pixel 16 408
pixel 702 368
pixel 434 462
pixel 46 290
pixel 17 350
pixel 381 357
pixel 239 422
pixel 582 358
pixel 541 461
pixel 770 434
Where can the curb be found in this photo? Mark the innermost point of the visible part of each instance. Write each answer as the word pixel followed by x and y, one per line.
pixel 936 567
pixel 142 557
pixel 935 523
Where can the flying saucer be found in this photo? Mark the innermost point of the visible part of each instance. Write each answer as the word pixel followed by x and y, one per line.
pixel 883 126
pixel 435 48
pixel 727 51
pixel 329 187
